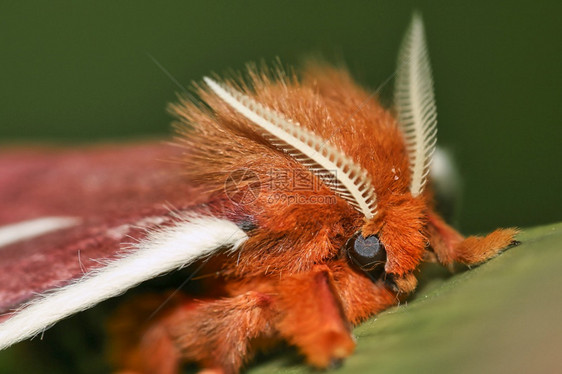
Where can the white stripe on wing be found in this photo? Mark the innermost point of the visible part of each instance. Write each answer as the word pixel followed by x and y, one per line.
pixel 29 229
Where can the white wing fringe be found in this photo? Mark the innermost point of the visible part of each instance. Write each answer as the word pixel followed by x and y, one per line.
pixel 162 251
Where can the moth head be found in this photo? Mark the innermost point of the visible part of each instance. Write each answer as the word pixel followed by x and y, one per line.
pixel 393 234
pixel 394 239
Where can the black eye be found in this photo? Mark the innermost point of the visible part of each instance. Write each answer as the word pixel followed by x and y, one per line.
pixel 367 253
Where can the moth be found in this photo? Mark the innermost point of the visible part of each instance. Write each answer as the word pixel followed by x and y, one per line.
pixel 308 205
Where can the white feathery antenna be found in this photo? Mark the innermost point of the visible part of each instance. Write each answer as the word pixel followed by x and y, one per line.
pixel 341 174
pixel 415 103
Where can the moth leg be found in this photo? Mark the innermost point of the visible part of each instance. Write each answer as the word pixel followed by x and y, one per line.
pixel 361 295
pixel 450 246
pixel 140 342
pixel 312 317
pixel 215 334
pixel 219 334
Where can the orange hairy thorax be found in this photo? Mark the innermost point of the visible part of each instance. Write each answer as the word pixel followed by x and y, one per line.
pixel 299 276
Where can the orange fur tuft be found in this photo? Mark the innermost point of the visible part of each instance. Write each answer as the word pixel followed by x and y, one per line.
pixel 450 246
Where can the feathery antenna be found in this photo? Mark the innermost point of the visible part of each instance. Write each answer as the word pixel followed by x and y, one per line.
pixel 347 179
pixel 415 103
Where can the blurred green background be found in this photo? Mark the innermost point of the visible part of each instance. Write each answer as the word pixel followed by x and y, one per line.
pixel 81 71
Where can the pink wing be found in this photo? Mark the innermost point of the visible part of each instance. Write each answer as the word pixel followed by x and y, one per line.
pixel 114 192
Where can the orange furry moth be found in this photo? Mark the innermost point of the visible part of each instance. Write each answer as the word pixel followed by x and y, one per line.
pixel 309 205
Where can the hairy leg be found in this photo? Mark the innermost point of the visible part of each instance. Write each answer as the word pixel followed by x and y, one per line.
pixel 450 246
pixel 140 343
pixel 312 317
pixel 216 334
pixel 361 296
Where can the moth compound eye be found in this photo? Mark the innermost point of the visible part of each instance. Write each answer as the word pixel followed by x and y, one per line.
pixel 367 253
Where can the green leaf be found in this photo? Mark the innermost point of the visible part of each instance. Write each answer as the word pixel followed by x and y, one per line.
pixel 501 317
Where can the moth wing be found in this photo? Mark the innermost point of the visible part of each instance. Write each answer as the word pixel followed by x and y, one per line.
pixel 81 227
